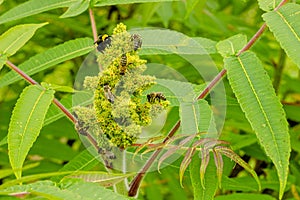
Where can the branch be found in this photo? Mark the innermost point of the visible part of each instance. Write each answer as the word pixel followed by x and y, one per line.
pixel 55 101
pixel 134 185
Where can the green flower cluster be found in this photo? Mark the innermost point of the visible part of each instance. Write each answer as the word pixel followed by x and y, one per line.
pixel 120 107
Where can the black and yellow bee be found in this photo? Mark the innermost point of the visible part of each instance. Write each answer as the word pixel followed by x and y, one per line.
pixel 123 62
pixel 103 42
pixel 155 97
pixel 137 41
pixel 108 94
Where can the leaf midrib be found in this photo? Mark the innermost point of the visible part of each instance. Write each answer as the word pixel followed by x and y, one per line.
pixel 261 108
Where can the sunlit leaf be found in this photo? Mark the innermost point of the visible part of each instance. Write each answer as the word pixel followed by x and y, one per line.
pixel 262 108
pixel 25 124
pixel 14 38
pixel 49 58
pixel 285 25
pixel 76 8
pixel 33 7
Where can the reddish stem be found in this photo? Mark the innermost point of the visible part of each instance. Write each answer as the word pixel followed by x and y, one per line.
pixel 93 24
pixel 55 101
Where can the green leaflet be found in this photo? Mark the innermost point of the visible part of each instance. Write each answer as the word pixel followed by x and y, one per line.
pixel 262 108
pixel 285 25
pixel 76 8
pixel 13 39
pixel 25 124
pixel 33 7
pixel 268 5
pixel 231 46
pixel 210 180
pixel 49 58
pixel 115 2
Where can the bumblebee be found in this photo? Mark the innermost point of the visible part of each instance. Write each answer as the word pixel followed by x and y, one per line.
pixel 123 62
pixel 155 96
pixel 80 126
pixel 103 42
pixel 108 94
pixel 137 41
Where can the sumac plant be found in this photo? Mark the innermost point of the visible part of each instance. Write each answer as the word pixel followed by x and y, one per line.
pixel 172 100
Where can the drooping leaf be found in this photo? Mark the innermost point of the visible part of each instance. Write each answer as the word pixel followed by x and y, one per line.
pixel 185 163
pixel 232 45
pixel 204 163
pixel 210 180
pixel 115 2
pixel 105 179
pixel 33 7
pixel 219 165
pixel 49 58
pixel 268 5
pixel 285 25
pixel 26 122
pixel 14 38
pixel 262 108
pixel 76 8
